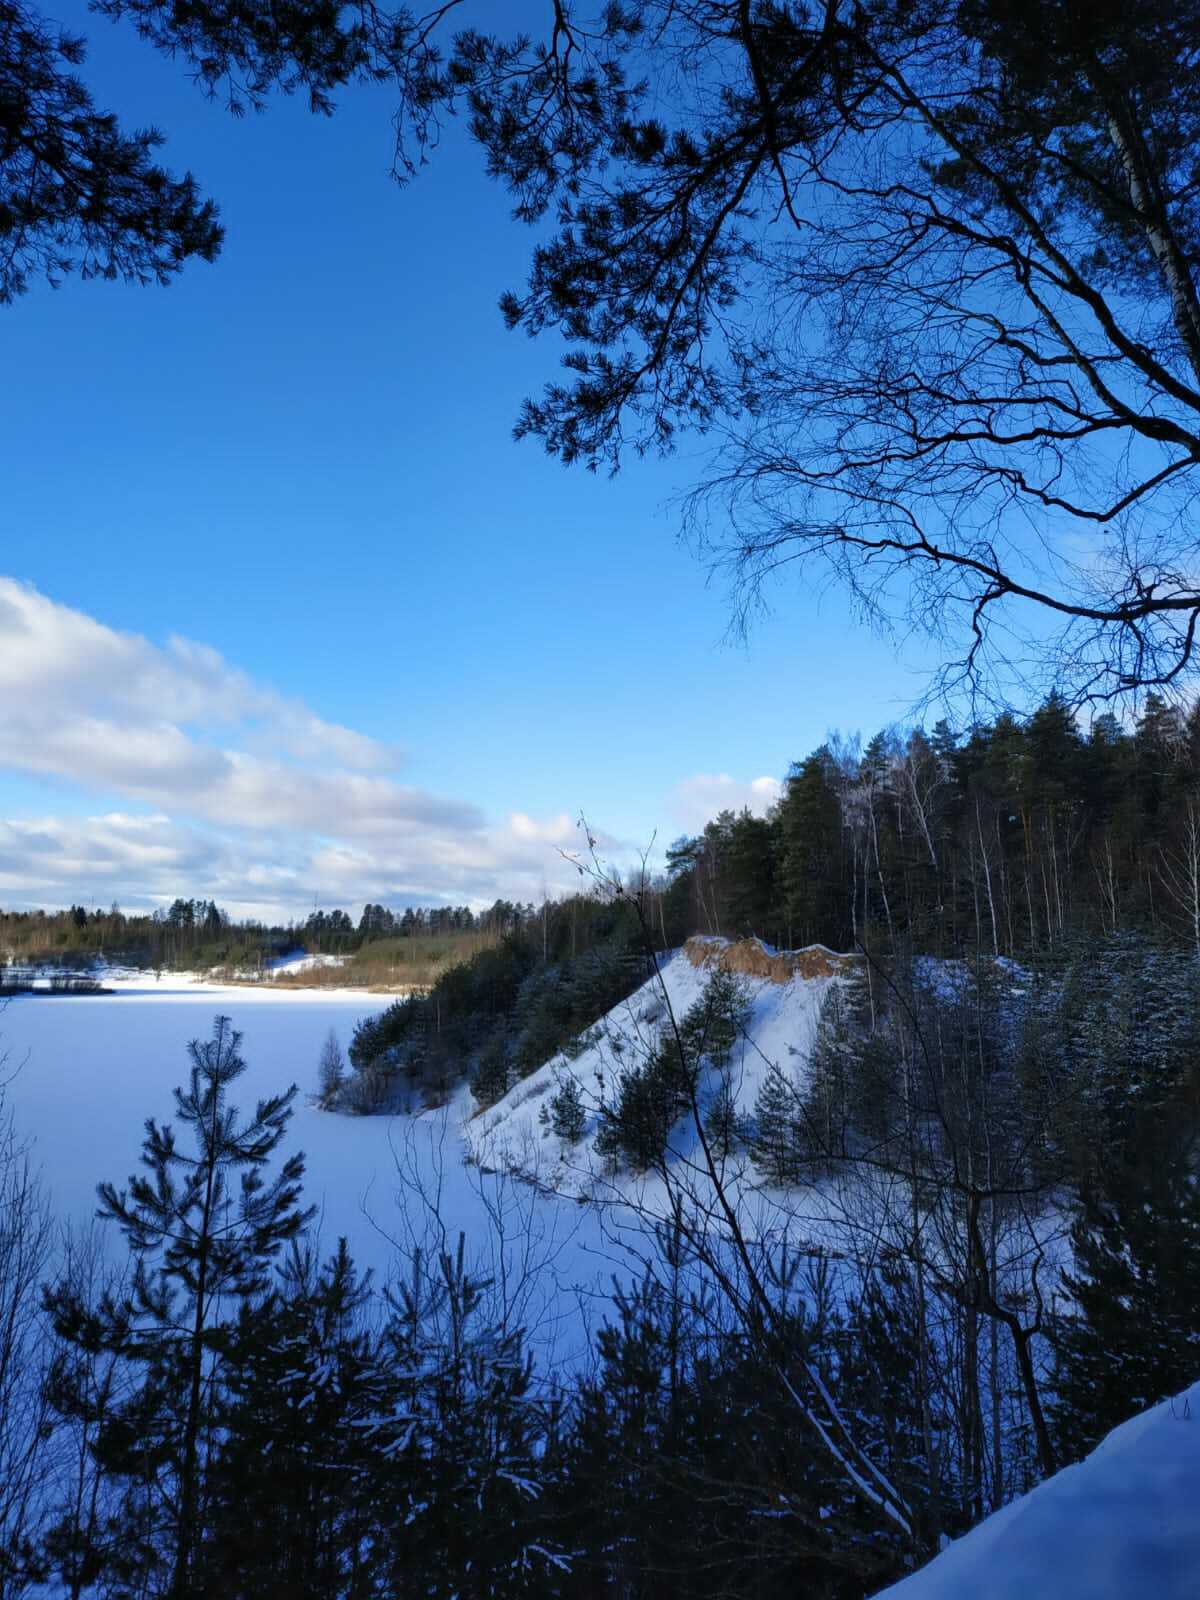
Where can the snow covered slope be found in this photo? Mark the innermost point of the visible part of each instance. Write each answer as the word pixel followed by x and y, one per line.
pixel 785 992
pixel 1123 1523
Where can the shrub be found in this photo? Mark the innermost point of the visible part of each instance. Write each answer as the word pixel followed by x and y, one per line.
pixel 490 1082
pixel 650 1100
pixel 566 1114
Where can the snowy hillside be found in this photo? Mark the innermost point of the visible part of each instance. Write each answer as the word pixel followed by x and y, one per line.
pixel 1124 1522
pixel 785 992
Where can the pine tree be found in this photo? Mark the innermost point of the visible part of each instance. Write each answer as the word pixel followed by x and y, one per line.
pixel 850 1094
pixel 492 1071
pixel 749 872
pixel 881 1367
pixel 1133 1336
pixel 470 1455
pixel 651 1097
pixel 566 1114
pixel 810 822
pixel 620 1444
pixel 780 1146
pixel 307 1390
pixel 723 1127
pixel 198 1247
pixel 654 1093
pixel 712 1025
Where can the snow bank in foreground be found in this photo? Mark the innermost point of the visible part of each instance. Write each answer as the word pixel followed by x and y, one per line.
pixel 1124 1522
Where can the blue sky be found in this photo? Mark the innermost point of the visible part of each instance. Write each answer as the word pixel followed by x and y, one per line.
pixel 300 459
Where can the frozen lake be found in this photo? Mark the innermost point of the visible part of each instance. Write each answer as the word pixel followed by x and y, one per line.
pixel 85 1072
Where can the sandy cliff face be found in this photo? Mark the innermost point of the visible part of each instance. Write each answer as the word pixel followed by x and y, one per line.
pixel 753 959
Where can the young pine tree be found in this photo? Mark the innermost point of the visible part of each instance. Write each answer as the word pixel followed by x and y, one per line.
pixel 566 1114
pixel 780 1146
pixel 712 1026
pixel 306 1392
pixel 465 1476
pixel 203 1223
pixel 722 1125
pixel 493 1071
pixel 850 1099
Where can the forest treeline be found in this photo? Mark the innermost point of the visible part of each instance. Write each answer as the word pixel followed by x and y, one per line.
pixel 499 1016
pixel 1001 840
pixel 198 933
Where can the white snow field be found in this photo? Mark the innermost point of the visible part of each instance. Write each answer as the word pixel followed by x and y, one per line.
pixel 283 966
pixel 91 1069
pixel 84 1073
pixel 1122 1524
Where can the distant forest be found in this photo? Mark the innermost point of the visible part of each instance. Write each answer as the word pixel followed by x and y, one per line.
pixel 199 934
pixel 1005 840
pixel 1010 840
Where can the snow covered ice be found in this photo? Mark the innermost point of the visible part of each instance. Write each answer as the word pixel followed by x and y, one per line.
pixel 85 1072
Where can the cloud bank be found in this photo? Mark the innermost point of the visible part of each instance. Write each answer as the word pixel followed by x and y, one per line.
pixel 224 786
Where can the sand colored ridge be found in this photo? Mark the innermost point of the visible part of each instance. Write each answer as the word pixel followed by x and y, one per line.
pixel 753 959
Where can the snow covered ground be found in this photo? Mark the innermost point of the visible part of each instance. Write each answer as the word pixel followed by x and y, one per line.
pixel 779 1030
pixel 90 1070
pixel 835 1221
pixel 1122 1524
pixel 282 965
pixel 85 1072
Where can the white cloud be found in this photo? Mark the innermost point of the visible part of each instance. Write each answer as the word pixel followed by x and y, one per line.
pixel 698 799
pixel 142 862
pixel 248 796
pixel 558 831
pixel 179 730
pixel 60 660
